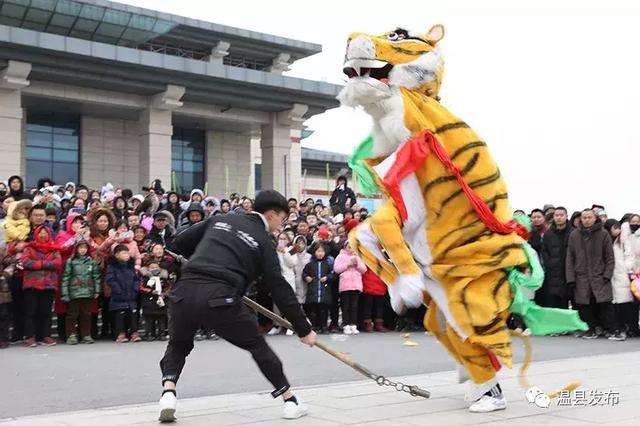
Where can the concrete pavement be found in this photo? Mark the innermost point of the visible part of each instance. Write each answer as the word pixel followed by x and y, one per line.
pixel 68 378
pixel 363 402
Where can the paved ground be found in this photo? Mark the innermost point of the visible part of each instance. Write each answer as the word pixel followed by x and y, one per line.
pixel 64 378
pixel 363 403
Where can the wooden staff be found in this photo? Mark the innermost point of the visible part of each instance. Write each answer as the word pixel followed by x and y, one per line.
pixel 380 380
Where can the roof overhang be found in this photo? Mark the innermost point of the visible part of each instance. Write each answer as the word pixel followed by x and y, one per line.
pixel 86 63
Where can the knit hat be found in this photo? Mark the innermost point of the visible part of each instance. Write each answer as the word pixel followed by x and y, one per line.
pixel 350 224
pixel 323 233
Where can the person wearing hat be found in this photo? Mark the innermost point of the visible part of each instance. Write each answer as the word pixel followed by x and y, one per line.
pixel 226 254
pixel 194 214
pixel 160 231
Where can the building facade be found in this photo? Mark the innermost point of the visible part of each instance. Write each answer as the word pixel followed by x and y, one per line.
pixel 94 91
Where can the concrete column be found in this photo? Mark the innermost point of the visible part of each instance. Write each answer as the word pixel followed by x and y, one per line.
pixel 295 165
pixel 229 163
pixel 155 136
pixel 276 150
pixel 12 79
pixel 219 51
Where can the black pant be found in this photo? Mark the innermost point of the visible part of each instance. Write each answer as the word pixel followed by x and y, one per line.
pixel 598 314
pixel 37 309
pixel 627 317
pixel 264 299
pixel 107 323
pixel 334 309
pixel 317 314
pixel 17 308
pixel 125 321
pixel 155 325
pixel 349 303
pixel 372 304
pixel 61 326
pixel 193 304
pixel 5 319
pixel 556 301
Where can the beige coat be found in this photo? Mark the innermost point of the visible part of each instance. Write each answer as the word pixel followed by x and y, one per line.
pixel 624 261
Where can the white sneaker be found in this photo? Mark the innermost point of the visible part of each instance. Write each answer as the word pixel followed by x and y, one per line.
pixel 167 408
pixel 347 330
pixel 354 329
pixel 289 332
pixel 273 331
pixel 526 332
pixel 293 410
pixel 487 404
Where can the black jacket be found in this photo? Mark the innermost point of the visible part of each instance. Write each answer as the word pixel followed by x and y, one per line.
pixel 236 250
pixel 318 291
pixel 339 197
pixel 156 237
pixel 19 194
pixel 554 255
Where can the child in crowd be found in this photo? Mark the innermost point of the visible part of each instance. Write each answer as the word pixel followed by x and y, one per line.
pixel 350 269
pixel 16 224
pixel 80 285
pixel 121 235
pixel 300 247
pixel 140 237
pixel 155 285
pixel 373 302
pixel 123 281
pixel 288 263
pixel 41 262
pixel 7 263
pixel 318 274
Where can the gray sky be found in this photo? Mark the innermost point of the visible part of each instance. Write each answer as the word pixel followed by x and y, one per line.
pixel 551 86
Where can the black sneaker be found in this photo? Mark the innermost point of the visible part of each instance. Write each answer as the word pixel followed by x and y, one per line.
pixel 619 337
pixel 600 331
pixel 590 335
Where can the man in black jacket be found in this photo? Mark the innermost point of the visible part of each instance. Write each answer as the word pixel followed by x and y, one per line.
pixel 555 292
pixel 226 254
pixel 342 196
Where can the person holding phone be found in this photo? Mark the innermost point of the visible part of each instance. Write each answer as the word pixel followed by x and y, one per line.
pixel 288 263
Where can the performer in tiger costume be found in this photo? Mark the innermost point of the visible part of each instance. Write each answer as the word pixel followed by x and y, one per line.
pixel 445 235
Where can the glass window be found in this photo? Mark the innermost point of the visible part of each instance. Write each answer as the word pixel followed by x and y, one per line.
pixel 187 158
pixel 53 143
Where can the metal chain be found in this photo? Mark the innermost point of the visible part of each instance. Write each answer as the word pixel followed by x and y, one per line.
pixel 398 386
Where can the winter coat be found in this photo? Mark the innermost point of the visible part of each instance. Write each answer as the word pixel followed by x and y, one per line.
pixel 174 209
pixel 41 270
pixel 620 281
pixel 317 291
pixel 127 240
pixel 536 238
pixel 372 285
pixel 20 194
pixel 553 253
pixel 155 236
pixel 288 263
pixel 8 265
pixel 16 229
pixel 632 240
pixel 80 279
pixel 350 276
pixel 149 300
pixel 301 285
pixel 590 264
pixel 339 197
pixel 123 281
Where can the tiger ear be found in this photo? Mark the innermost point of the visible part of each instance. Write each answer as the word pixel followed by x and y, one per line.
pixel 435 34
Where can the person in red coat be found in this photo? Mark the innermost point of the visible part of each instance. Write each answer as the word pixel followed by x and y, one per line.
pixel 373 301
pixel 41 262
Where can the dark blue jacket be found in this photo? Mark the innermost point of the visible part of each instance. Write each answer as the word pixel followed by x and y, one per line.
pixel 124 282
pixel 318 291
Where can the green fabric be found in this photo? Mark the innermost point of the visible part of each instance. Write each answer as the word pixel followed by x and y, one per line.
pixel 367 182
pixel 80 279
pixel 539 320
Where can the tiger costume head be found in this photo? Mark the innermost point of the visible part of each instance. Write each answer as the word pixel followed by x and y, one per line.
pixel 378 64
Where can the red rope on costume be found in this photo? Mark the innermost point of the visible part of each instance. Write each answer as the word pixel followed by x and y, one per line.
pixel 481 208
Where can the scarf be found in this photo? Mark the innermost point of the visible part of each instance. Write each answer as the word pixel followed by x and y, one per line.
pixel 43 247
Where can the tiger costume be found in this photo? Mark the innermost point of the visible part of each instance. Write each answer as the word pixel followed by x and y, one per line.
pixel 444 236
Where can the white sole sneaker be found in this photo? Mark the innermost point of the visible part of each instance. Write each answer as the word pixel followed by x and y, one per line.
pixel 167 408
pixel 294 411
pixel 488 404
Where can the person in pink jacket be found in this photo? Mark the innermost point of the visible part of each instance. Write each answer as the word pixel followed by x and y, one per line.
pixel 350 269
pixel 122 235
